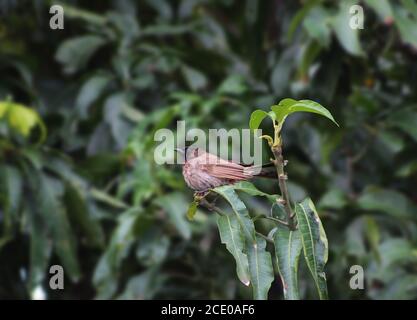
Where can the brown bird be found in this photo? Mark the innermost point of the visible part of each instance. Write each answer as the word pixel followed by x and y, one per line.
pixel 203 171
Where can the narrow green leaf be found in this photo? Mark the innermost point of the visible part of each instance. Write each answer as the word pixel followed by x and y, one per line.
pixel 288 245
pixel 78 212
pixel 314 243
pixel 239 209
pixel 256 118
pixel 260 268
pixel 231 235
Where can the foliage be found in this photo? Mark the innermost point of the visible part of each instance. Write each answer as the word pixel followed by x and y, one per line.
pixel 89 196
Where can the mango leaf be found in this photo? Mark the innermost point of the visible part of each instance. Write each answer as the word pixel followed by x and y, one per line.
pixel 90 91
pixel 256 118
pixel 78 212
pixel 240 211
pixel 348 37
pixel 74 53
pixel 287 106
pixel 390 202
pixel 406 25
pixel 231 235
pixel 260 264
pixel 288 245
pixel 122 238
pixel 249 188
pixel 405 120
pixel 314 243
pixel 381 7
pixel 196 80
pixel 260 268
pixel 40 249
pixel 192 209
pixel 176 208
pixel 22 119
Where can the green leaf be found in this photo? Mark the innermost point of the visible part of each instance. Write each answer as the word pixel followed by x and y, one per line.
pixel 260 268
pixel 176 207
pixel 196 80
pixel 315 243
pixel 288 245
pixel 405 120
pixel 75 53
pixel 256 118
pixel 78 212
pixel 287 106
pixel 390 202
pixel 192 209
pixel 231 235
pixel 406 25
pixel 249 188
pixel 90 91
pixel 239 209
pixel 22 119
pixel 122 238
pixel 381 7
pixel 348 37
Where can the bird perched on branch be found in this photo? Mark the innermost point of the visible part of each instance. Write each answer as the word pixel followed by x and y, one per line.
pixel 203 171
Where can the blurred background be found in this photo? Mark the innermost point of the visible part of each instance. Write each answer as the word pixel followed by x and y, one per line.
pixel 79 107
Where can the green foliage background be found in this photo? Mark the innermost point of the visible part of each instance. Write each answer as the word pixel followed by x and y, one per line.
pixel 91 198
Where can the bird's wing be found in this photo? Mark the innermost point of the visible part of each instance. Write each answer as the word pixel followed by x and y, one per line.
pixel 222 169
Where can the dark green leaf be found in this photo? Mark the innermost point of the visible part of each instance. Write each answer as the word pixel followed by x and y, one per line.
pixel 232 236
pixel 314 243
pixel 288 245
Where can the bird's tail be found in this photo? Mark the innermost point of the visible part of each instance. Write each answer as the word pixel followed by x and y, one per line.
pixel 267 171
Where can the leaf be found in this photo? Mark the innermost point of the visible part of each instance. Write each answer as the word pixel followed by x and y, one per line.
pixel 231 235
pixel 176 208
pixel 348 37
pixel 406 121
pixel 382 8
pixel 233 85
pixel 287 106
pixel 256 118
pixel 299 17
pixel 192 209
pixel 75 53
pixel 122 238
pixel 40 250
pixel 260 268
pixel 316 25
pixel 388 201
pixel 239 209
pixel 250 189
pixel 81 216
pixel 50 206
pixel 196 80
pixel 315 243
pixel 288 245
pixel 90 91
pixel 406 25
pixel 22 119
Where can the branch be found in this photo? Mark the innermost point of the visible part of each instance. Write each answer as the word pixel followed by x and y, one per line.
pixel 282 179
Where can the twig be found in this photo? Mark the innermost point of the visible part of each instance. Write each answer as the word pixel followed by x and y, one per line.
pixel 265 237
pixel 282 179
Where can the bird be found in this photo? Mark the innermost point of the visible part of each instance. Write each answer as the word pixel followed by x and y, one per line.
pixel 203 171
